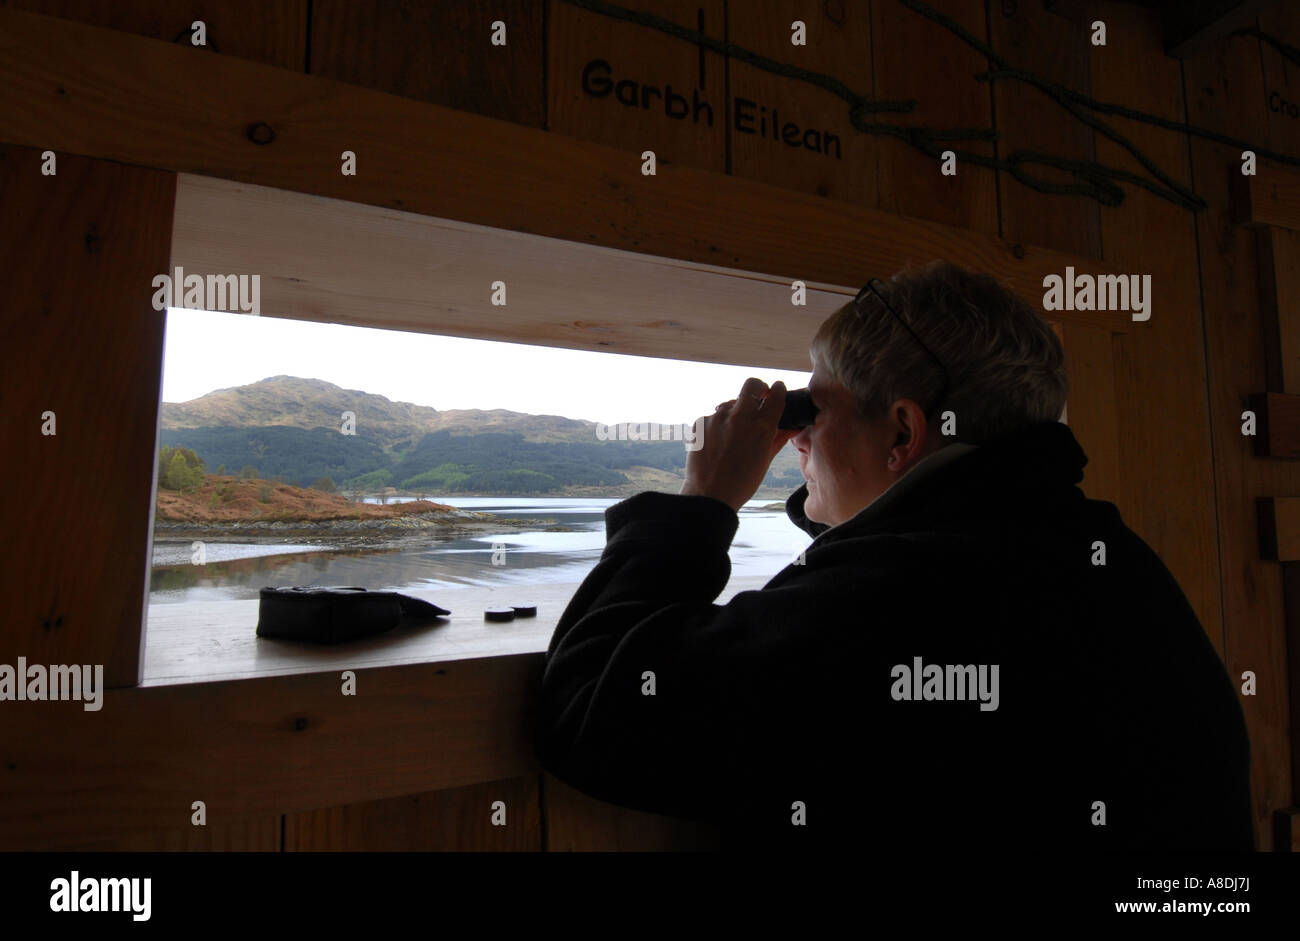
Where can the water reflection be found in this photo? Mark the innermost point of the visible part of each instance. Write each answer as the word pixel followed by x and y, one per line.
pixel 765 542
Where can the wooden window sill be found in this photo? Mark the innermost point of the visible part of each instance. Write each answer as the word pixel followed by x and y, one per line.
pixel 211 641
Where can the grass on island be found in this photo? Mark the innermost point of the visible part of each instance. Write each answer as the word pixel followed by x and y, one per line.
pixel 229 499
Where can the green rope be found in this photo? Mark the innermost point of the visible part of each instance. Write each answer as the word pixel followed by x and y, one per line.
pixel 1096 180
pixel 1093 173
pixel 1286 49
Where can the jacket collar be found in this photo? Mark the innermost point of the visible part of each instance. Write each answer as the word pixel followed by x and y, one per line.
pixel 1044 455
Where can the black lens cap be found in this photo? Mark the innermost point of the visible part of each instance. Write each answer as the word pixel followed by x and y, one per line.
pixel 525 610
pixel 499 614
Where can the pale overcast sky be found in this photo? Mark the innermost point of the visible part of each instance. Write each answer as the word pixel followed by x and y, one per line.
pixel 206 351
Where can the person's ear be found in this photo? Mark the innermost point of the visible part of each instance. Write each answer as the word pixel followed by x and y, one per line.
pixel 910 420
pixel 905 431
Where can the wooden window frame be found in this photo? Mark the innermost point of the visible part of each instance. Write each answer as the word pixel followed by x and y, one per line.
pixel 284 744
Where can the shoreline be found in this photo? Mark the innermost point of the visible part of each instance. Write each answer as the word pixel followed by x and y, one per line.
pixel 391 532
pixel 770 495
pixel 349 532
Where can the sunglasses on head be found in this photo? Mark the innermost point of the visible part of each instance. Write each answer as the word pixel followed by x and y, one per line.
pixel 800 412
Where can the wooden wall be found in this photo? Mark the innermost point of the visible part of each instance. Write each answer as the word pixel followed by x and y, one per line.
pixel 1156 406
pixel 1228 91
pixel 270 31
pixel 83 346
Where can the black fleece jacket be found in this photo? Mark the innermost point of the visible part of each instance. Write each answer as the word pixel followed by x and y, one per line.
pixel 778 716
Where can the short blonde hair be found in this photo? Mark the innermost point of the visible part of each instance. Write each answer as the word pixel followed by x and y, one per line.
pixel 1005 364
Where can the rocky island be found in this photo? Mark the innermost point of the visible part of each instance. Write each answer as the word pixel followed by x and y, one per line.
pixel 253 510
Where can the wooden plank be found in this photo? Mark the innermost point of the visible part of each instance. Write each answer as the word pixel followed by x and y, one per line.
pixel 254 747
pixel 638 88
pixel 1279 528
pixel 1280 24
pixel 422 158
pixel 1279 291
pixel 437 51
pixel 270 31
pixel 1192 27
pixel 457 819
pixel 1282 97
pixel 83 342
pixel 1286 830
pixel 1166 485
pixel 1057 47
pixel 216 640
pixel 841 161
pixel 414 273
pixel 253 835
pixel 1291 597
pixel 1277 424
pixel 578 823
pixel 916 58
pixel 1225 93
pixel 1269 198
pixel 1027 36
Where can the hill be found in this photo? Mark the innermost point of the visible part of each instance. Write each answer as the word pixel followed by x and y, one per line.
pixel 289 401
pixel 289 427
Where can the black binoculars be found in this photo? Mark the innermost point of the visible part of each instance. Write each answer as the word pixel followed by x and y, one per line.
pixel 799 411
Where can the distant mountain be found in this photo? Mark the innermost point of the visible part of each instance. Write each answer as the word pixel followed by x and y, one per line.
pixel 289 427
pixel 313 403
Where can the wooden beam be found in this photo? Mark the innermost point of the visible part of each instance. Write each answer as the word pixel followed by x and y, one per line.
pixel 1225 93
pixel 457 819
pixel 1270 197
pixel 259 834
pixel 270 31
pixel 83 367
pixel 414 273
pixel 1286 830
pixel 423 158
pixel 578 823
pixel 252 747
pixel 323 259
pixel 440 52
pixel 1279 528
pixel 1281 24
pixel 1277 428
pixel 1192 27
pixel 1279 294
pixel 1291 610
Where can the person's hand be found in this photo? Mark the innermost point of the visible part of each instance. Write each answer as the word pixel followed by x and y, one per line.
pixel 738 442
